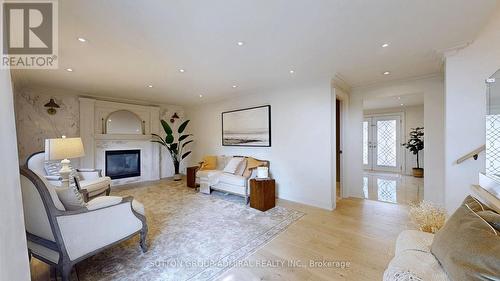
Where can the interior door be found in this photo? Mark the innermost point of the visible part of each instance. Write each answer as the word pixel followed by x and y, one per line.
pixel 382 143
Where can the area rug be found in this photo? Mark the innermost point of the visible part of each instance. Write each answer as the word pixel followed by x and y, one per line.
pixel 192 236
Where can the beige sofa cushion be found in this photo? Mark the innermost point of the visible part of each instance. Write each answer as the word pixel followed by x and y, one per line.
pixel 467 246
pixel 231 179
pixel 95 186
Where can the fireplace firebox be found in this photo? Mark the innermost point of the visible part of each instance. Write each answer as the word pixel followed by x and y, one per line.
pixel 123 163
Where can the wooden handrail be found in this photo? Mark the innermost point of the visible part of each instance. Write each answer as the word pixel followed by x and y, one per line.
pixel 472 154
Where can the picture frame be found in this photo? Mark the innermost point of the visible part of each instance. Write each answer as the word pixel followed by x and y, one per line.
pixel 247 127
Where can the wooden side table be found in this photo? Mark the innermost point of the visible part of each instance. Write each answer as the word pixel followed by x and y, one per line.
pixel 262 194
pixel 191 176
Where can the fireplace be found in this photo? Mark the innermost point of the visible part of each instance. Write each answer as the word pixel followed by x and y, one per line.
pixel 123 163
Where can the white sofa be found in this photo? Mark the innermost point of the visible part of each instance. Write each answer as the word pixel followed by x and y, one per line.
pixel 413 259
pixel 232 183
pixel 62 238
pixel 91 183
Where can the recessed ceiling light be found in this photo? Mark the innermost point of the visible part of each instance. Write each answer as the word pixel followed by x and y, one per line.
pixel 235 86
pixel 385 45
pixel 150 86
pixel 402 104
pixel 69 69
pixel 399 98
pixel 387 72
pixel 201 95
pixel 181 70
pixel 81 39
pixel 240 43
pixel 292 71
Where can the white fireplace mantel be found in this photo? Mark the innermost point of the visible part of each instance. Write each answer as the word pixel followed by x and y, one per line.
pixel 96 142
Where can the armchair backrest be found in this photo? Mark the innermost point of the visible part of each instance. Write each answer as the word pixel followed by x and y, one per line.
pixel 36 162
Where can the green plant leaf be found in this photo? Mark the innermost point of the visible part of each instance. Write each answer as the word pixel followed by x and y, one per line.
pixel 169 139
pixel 162 143
pixel 166 127
pixel 182 127
pixel 185 154
pixel 186 143
pixel 183 137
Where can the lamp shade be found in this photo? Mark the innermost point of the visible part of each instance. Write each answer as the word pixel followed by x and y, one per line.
pixel 63 148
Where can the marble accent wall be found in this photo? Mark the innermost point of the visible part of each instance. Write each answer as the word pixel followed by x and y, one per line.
pixel 34 124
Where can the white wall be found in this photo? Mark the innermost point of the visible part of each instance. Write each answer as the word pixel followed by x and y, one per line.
pixel 13 253
pixel 301 139
pixel 432 89
pixel 466 71
pixel 413 118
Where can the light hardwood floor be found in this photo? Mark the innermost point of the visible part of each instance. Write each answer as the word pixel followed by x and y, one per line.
pixel 360 232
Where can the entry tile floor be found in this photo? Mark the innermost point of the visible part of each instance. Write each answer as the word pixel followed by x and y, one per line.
pixel 392 187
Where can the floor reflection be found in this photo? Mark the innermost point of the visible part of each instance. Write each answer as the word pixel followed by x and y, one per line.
pixel 392 188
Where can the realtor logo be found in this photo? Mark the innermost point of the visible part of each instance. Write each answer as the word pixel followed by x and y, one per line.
pixel 29 35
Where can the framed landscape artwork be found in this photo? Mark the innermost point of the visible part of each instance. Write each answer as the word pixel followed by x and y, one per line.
pixel 247 127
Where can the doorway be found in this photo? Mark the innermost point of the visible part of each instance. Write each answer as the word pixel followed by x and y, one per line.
pixel 338 150
pixel 387 124
pixel 382 143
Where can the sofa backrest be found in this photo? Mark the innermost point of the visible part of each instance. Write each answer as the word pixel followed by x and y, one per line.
pixel 36 163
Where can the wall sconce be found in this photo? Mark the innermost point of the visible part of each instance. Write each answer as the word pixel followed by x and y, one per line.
pixel 174 116
pixel 52 105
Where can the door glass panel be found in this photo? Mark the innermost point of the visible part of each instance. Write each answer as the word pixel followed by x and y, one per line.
pixel 386 141
pixel 365 143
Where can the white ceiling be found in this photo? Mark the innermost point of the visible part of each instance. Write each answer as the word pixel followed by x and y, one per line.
pixel 393 102
pixel 135 43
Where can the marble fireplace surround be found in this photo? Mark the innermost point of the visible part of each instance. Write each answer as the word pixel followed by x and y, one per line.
pixel 96 142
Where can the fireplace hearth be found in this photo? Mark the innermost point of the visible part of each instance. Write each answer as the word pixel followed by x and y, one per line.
pixel 123 163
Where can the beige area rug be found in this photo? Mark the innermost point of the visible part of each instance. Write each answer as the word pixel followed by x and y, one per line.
pixel 192 236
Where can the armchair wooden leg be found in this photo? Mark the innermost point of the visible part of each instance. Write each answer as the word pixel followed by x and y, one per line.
pixel 108 191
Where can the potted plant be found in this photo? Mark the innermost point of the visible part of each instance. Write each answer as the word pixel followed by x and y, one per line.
pixel 176 148
pixel 414 144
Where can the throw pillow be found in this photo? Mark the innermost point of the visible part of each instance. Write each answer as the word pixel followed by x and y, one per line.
pixel 467 246
pixel 209 163
pixel 70 198
pixel 491 217
pixel 251 164
pixel 241 167
pixel 232 165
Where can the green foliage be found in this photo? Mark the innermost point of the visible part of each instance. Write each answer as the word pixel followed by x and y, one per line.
pixel 175 148
pixel 415 142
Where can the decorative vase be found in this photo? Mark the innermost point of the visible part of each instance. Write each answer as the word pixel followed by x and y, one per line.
pixel 418 172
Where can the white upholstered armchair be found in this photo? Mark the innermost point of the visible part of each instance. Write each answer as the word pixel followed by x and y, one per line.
pixel 62 238
pixel 90 183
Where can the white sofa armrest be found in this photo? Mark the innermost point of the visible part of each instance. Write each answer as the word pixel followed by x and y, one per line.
pixel 103 202
pixel 86 231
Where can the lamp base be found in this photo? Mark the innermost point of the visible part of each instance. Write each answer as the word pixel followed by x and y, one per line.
pixel 65 172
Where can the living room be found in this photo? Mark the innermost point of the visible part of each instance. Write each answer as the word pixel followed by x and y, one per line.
pixel 224 140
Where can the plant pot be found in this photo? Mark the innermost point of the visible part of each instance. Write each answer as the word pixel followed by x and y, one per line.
pixel 177 177
pixel 418 172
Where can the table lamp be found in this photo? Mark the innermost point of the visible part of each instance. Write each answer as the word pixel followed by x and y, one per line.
pixel 64 149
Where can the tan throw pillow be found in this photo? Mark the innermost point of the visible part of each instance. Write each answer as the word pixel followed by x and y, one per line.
pixel 251 164
pixel 467 246
pixel 209 163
